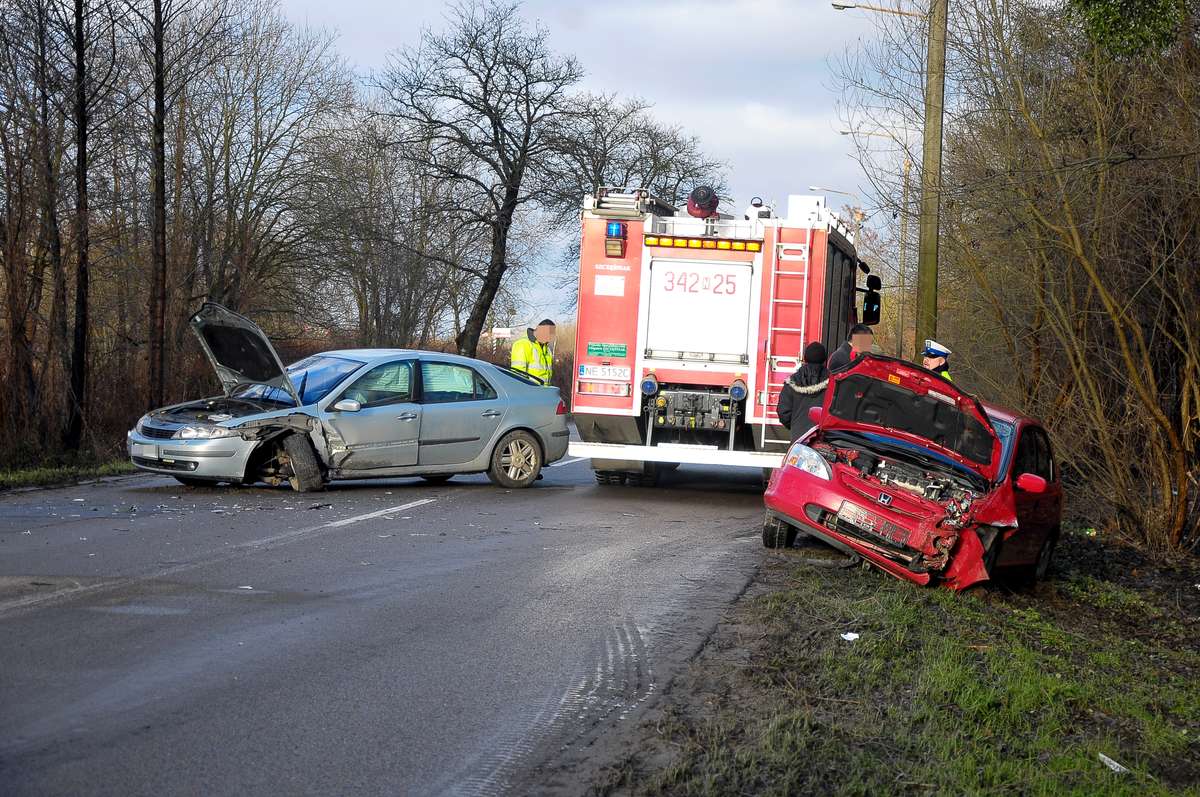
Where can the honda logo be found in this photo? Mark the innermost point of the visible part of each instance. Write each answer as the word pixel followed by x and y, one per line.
pixel 885 499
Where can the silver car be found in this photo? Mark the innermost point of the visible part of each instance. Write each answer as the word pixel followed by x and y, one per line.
pixel 354 414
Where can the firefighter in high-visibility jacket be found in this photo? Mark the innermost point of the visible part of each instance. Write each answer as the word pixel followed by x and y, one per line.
pixel 532 355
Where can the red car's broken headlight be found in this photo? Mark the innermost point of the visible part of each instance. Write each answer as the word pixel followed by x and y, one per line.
pixel 804 458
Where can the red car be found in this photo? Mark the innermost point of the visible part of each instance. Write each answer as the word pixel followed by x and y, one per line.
pixel 921 479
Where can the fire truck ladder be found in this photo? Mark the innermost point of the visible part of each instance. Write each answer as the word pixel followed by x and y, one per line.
pixel 791 262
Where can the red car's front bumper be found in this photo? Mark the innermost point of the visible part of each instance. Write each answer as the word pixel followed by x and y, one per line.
pixel 895 542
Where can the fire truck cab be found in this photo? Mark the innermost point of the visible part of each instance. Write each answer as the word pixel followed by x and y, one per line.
pixel 688 326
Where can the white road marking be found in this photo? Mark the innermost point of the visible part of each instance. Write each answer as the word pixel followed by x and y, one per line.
pixel 565 462
pixel 370 515
pixel 215 557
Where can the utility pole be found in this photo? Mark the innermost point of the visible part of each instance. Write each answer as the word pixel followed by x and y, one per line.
pixel 931 174
pixel 903 264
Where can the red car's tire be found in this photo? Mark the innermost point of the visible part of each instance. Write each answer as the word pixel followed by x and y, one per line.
pixel 777 534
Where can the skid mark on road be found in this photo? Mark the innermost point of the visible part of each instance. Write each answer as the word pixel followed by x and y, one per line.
pixel 225 555
pixel 621 679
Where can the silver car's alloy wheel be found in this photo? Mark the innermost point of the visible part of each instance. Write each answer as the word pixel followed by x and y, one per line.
pixel 519 460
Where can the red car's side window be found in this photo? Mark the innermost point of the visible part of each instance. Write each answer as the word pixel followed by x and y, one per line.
pixel 1034 454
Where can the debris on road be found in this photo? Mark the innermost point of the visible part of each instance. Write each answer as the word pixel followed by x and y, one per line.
pixel 850 636
pixel 321 506
pixel 1113 765
pixel 246 587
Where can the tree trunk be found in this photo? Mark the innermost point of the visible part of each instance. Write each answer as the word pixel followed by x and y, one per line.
pixel 78 393
pixel 468 339
pixel 158 256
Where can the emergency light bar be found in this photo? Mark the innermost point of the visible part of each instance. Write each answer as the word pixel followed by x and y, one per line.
pixel 703 243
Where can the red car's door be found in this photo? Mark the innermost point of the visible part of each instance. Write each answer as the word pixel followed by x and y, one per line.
pixel 1037 513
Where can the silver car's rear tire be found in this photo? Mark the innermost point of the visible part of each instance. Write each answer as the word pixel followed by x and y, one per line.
pixel 517 460
pixel 306 471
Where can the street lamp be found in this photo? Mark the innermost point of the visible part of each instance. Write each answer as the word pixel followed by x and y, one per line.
pixel 897 11
pixel 931 161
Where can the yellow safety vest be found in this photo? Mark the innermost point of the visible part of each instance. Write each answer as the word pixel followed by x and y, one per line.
pixel 532 358
pixel 945 375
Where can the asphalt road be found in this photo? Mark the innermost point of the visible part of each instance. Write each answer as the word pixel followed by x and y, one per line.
pixel 377 638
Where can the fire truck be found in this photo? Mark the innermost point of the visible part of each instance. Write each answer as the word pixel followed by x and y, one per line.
pixel 690 323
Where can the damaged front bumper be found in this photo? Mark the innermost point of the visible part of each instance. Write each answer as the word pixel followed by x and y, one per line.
pixel 918 551
pixel 221 459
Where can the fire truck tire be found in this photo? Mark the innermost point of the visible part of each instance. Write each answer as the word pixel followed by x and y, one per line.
pixel 610 478
pixel 306 471
pixel 777 534
pixel 647 478
pixel 517 460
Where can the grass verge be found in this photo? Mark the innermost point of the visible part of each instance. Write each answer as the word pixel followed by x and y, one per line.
pixel 995 692
pixel 62 474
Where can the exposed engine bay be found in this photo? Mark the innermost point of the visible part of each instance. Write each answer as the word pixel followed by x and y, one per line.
pixel 930 481
pixel 213 410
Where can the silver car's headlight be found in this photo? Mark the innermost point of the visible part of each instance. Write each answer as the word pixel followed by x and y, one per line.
pixel 203 432
pixel 802 457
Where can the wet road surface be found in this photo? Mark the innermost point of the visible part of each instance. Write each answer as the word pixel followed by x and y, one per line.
pixel 377 638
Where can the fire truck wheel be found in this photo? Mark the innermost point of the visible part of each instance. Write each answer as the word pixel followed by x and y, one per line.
pixel 610 478
pixel 647 478
pixel 517 460
pixel 777 534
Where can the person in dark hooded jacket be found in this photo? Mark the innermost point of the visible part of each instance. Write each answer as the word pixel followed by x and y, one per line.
pixel 803 390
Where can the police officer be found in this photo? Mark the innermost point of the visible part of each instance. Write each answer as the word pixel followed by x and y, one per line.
pixel 936 358
pixel 532 355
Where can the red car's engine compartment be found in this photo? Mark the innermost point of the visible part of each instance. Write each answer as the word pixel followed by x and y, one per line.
pixel 926 509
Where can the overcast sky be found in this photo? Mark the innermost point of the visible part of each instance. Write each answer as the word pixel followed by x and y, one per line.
pixel 749 77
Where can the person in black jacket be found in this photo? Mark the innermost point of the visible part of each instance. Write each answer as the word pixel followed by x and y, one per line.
pixel 803 390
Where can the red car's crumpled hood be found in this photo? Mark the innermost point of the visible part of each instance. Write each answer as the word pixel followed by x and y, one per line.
pixel 883 395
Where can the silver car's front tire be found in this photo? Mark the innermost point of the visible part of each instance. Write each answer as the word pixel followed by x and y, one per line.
pixel 306 471
pixel 517 460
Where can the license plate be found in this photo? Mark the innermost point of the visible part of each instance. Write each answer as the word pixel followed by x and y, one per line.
pixel 143 451
pixel 872 523
pixel 860 518
pixel 618 372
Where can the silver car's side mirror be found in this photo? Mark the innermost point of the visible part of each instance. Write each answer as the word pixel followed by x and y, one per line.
pixel 347 405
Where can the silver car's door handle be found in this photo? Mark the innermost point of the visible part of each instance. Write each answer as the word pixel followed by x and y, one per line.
pixel 492 414
pixel 407 416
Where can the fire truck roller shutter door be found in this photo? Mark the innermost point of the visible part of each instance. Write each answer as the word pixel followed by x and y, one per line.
pixel 686 296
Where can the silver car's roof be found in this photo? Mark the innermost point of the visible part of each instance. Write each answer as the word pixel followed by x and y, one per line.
pixel 375 355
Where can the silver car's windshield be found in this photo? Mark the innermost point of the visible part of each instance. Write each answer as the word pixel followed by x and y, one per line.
pixel 313 378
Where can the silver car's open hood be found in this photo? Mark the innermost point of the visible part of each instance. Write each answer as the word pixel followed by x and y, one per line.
pixel 238 350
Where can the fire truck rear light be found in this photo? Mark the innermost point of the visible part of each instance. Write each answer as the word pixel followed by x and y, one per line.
pixel 710 244
pixel 665 241
pixel 651 240
pixel 605 388
pixel 722 244
pixel 740 246
pixel 694 243
pixel 615 229
pixel 614 247
pixel 753 246
pixel 681 243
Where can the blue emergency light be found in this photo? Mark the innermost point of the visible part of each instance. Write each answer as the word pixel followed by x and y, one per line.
pixel 615 229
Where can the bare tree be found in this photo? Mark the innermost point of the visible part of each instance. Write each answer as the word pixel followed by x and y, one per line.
pixel 480 105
